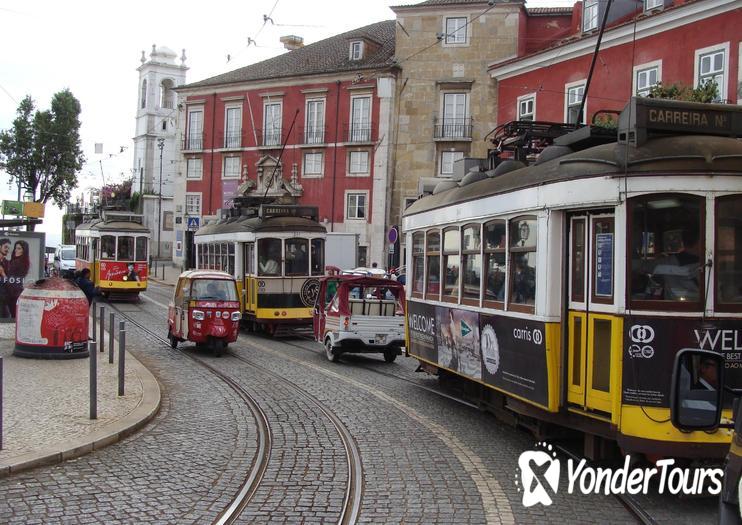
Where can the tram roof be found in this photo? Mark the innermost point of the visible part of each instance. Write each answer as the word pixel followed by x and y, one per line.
pixel 258 225
pixel 672 155
pixel 113 226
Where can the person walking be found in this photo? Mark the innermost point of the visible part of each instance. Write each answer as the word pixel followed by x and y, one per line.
pixel 87 286
pixel 4 262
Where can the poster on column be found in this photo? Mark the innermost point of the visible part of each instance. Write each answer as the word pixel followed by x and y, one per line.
pixel 514 357
pixel 458 341
pixel 21 263
pixel 422 330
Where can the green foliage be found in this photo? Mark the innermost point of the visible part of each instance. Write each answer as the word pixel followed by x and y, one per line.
pixel 136 197
pixel 706 92
pixel 42 149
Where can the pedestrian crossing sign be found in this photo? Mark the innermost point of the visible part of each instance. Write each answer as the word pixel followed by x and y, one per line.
pixel 193 223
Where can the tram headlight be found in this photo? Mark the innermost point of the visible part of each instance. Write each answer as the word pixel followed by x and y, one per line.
pixel 236 316
pixel 198 315
pixel 126 277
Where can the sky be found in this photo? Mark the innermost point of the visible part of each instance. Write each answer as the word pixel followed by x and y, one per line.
pixel 94 49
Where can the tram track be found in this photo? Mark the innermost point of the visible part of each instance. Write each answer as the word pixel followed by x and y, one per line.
pixel 354 489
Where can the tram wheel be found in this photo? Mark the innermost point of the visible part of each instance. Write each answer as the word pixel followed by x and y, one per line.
pixel 331 355
pixel 173 340
pixel 390 355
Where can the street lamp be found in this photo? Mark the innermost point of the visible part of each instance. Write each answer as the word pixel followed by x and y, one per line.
pixel 161 145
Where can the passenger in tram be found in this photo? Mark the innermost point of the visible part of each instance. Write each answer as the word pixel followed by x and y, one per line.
pixel 524 282
pixel 269 264
pixel 496 284
pixel 675 274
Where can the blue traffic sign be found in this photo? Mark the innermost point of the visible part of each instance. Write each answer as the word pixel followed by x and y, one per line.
pixel 193 223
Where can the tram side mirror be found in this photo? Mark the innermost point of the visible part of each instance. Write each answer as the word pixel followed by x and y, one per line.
pixel 697 386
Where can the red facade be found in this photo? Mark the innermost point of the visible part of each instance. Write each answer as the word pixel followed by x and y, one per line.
pixel 683 42
pixel 332 133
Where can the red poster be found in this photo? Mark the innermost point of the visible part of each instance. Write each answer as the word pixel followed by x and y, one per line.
pixel 123 271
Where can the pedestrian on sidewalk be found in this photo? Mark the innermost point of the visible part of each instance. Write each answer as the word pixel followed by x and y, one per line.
pixel 87 286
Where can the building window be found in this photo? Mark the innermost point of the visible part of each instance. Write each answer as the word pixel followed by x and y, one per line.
pixel 728 253
pixel 195 130
pixel 527 107
pixel 193 204
pixel 362 256
pixel 646 79
pixel 194 169
pixel 590 15
pixel 574 100
pixel 231 168
pixel 456 30
pixel 314 131
pixel 494 263
pixel 523 235
pixel 653 4
pixel 360 123
pixel 272 124
pixel 356 206
pixel 167 95
pixel 447 160
pixel 455 122
pixel 358 162
pixel 711 68
pixel 143 96
pixel 312 164
pixel 356 50
pixel 418 262
pixel 233 127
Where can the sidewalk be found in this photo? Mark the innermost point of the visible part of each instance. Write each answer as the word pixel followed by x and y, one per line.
pixel 46 406
pixel 171 273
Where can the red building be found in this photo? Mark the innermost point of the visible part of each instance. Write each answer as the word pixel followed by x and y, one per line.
pixel 310 126
pixel 670 41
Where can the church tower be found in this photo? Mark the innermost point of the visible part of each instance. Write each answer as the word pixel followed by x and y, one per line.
pixel 156 123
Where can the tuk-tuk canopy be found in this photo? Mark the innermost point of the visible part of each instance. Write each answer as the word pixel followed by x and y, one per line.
pixel 352 287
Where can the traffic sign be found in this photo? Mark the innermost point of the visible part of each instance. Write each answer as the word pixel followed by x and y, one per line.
pixel 193 223
pixel 392 235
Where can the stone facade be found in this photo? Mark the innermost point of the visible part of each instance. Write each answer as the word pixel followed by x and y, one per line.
pixel 427 75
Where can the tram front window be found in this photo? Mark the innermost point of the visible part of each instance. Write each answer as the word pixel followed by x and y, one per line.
pixel 269 257
pixel 318 256
pixel 141 253
pixel 729 251
pixel 667 249
pixel 108 247
pixel 297 257
pixel 125 249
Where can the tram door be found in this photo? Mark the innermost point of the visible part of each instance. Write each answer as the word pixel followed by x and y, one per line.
pixel 594 329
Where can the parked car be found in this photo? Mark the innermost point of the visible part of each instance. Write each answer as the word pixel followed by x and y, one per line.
pixel 64 260
pixel 359 314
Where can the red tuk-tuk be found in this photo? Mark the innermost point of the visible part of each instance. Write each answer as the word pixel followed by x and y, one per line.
pixel 205 309
pixel 355 314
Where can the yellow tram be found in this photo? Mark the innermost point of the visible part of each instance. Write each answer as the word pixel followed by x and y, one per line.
pixel 558 294
pixel 276 253
pixel 115 248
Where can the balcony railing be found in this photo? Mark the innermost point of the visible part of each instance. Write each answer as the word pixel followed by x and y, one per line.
pixel 452 128
pixel 193 142
pixel 359 133
pixel 313 135
pixel 231 139
pixel 271 137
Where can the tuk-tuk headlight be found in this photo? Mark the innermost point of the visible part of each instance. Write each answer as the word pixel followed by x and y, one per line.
pixel 218 314
pixel 198 315
pixel 236 316
pixel 225 315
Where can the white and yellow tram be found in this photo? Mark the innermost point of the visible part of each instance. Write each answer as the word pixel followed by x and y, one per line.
pixel 276 253
pixel 560 293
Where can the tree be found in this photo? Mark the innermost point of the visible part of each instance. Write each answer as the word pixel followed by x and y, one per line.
pixel 42 150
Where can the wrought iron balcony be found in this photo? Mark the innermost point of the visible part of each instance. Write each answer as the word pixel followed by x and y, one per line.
pixel 231 139
pixel 271 137
pixel 452 128
pixel 313 135
pixel 193 142
pixel 359 133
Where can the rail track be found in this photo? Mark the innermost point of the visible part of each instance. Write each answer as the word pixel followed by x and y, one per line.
pixel 354 489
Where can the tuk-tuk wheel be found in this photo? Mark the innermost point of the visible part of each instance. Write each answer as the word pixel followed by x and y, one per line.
pixel 331 355
pixel 390 355
pixel 219 347
pixel 173 340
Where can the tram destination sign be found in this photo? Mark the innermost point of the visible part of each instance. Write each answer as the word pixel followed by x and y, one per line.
pixel 646 116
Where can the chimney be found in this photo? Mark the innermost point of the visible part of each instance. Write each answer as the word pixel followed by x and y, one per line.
pixel 292 42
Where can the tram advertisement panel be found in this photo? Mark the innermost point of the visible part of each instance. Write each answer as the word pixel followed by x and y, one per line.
pixel 514 357
pixel 458 341
pixel 123 271
pixel 422 330
pixel 21 264
pixel 650 346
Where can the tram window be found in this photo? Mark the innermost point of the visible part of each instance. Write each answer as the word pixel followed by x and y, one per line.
pixel 211 251
pixel 318 256
pixel 451 262
pixel 230 258
pixel 249 258
pixel 433 281
pixel 728 262
pixel 603 260
pixel 523 234
pixel 297 257
pixel 269 256
pixel 125 248
pixel 666 240
pixel 494 262
pixel 471 261
pixel 107 248
pixel 418 262
pixel 141 254
pixel 578 259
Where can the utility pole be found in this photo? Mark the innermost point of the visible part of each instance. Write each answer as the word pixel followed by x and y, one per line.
pixel 161 145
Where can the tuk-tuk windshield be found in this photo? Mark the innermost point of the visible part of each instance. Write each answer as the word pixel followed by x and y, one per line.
pixel 213 289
